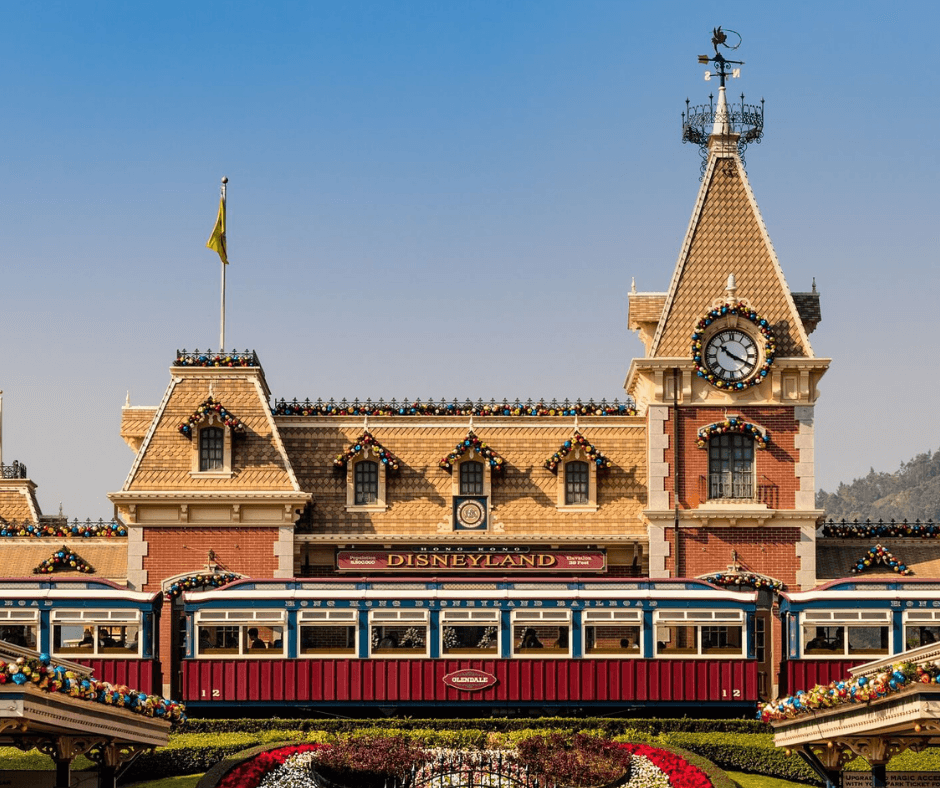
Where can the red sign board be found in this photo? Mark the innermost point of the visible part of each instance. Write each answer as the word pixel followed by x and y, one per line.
pixel 412 560
pixel 469 680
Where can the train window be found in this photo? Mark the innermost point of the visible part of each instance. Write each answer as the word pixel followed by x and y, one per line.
pixel 240 633
pixel 328 632
pixel 470 632
pixel 613 633
pixel 114 633
pixel 692 633
pixel 19 627
pixel 833 633
pixel 541 633
pixel 398 633
pixel 921 628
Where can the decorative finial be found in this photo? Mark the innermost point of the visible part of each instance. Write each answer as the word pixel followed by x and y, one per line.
pixel 365 423
pixel 576 427
pixel 731 287
pixel 225 179
pixel 814 290
pixel 211 389
pixel 633 284
pixel 127 399
pixel 470 426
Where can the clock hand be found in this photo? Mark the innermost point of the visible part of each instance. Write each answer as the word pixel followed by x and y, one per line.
pixel 731 355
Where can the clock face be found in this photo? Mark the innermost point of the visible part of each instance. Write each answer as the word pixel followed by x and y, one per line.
pixel 731 355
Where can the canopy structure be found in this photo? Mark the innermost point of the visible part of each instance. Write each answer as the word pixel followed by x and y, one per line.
pixel 877 730
pixel 64 727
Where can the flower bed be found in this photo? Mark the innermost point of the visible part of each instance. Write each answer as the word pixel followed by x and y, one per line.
pixel 578 762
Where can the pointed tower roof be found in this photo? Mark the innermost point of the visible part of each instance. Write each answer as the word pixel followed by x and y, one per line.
pixel 727 236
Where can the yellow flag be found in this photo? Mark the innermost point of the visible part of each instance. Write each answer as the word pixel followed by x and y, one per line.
pixel 217 239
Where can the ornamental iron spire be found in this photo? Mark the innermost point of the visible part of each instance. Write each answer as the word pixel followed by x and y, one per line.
pixel 730 125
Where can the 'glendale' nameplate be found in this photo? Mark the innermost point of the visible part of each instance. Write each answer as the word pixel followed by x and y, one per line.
pixel 470 680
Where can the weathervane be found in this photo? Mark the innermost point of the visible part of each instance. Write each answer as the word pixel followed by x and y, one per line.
pixel 720 38
pixel 745 121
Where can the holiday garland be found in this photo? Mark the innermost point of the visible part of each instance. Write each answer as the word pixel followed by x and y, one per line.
pixel 727 579
pixel 191 582
pixel 442 408
pixel 63 559
pixel 247 358
pixel 733 309
pixel 870 530
pixel 578 441
pixel 41 673
pixel 364 443
pixel 860 689
pixel 733 425
pixel 84 530
pixel 211 407
pixel 473 444
pixel 879 555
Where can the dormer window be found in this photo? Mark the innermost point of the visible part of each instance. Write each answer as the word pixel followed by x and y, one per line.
pixel 577 463
pixel 577 483
pixel 211 449
pixel 471 478
pixel 366 463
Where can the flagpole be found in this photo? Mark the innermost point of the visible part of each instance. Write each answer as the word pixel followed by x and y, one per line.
pixel 224 266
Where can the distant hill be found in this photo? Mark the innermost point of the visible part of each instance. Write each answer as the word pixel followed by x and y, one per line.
pixel 910 493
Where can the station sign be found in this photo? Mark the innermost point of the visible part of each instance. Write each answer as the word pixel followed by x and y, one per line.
pixel 470 680
pixel 531 560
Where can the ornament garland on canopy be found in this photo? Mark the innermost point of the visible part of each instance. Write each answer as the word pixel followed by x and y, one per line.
pixel 207 410
pixel 728 310
pixel 192 582
pixel 879 555
pixel 733 425
pixel 455 408
pixel 63 560
pixel 367 443
pixel 473 444
pixel 85 530
pixel 727 579
pixel 184 358
pixel 40 672
pixel 860 689
pixel 578 441
pixel 881 529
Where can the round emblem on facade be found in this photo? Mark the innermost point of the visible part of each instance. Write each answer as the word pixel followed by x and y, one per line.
pixel 470 514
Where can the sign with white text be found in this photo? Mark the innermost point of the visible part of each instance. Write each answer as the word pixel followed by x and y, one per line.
pixel 414 560
pixel 894 780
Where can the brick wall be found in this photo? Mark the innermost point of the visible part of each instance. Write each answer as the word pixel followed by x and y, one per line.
pixel 768 551
pixel 774 466
pixel 171 551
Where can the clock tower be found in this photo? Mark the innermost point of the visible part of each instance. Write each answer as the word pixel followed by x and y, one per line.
pixel 728 382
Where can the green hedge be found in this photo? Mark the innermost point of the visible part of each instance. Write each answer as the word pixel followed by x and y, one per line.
pixel 609 725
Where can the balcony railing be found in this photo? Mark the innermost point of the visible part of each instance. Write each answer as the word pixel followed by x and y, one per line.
pixel 15 471
pixel 737 487
pixel 213 358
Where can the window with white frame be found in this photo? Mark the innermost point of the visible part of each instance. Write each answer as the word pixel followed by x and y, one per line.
pixel 398 633
pixel 541 633
pixel 115 633
pixel 694 633
pixel 471 477
pixel 470 632
pixel 365 483
pixel 837 633
pixel 921 628
pixel 577 483
pixel 240 633
pixel 327 632
pixel 20 627
pixel 612 633
pixel 731 467
pixel 212 449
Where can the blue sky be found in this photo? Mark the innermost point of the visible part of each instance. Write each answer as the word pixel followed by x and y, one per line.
pixel 434 199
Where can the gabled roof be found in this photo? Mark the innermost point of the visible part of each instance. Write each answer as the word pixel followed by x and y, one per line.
pixel 726 235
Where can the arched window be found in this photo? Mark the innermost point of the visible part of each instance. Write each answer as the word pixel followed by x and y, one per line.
pixel 731 467
pixel 471 477
pixel 577 483
pixel 211 449
pixel 366 483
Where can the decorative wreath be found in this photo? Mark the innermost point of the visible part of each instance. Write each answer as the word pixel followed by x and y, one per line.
pixel 473 443
pixel 211 407
pixel 733 425
pixel 190 582
pixel 363 443
pixel 63 559
pixel 726 579
pixel 879 555
pixel 731 309
pixel 578 441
